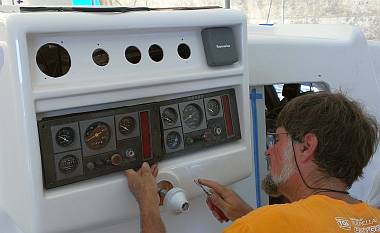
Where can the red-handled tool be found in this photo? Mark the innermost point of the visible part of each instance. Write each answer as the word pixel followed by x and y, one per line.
pixel 212 207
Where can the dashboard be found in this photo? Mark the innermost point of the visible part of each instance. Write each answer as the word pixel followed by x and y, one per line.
pixel 85 145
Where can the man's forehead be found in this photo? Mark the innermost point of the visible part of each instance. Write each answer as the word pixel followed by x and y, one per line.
pixel 280 130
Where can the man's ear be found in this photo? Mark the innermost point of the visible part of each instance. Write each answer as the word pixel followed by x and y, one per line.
pixel 308 147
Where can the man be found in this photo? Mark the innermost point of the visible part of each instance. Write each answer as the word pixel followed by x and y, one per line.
pixel 322 143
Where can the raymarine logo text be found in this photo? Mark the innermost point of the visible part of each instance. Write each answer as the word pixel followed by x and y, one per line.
pixel 223 46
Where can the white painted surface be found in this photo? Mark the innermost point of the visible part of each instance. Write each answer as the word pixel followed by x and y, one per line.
pixel 7 225
pixel 27 93
pixel 1 56
pixel 335 54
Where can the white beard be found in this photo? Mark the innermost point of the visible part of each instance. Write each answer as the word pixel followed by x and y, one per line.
pixel 270 183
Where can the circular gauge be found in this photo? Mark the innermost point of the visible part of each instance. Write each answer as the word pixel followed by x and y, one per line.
pixel 65 136
pixel 127 125
pixel 192 115
pixel 169 116
pixel 213 107
pixel 173 140
pixel 68 164
pixel 97 135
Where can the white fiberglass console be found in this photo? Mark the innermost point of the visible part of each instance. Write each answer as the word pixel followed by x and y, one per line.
pixel 335 55
pixel 85 95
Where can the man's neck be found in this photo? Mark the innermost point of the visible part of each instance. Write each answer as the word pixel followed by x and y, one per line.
pixel 295 189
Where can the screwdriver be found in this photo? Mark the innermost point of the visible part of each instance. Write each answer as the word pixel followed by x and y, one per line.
pixel 212 207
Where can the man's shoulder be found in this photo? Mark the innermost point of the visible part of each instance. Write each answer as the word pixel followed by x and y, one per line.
pixel 262 219
pixel 268 213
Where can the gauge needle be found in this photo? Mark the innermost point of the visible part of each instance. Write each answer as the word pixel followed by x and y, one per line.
pixel 63 138
pixel 167 118
pixel 189 117
pixel 124 127
pixel 211 110
pixel 95 135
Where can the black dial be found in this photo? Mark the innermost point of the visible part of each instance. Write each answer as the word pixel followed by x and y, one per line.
pixel 169 117
pixel 213 107
pixel 173 140
pixel 192 115
pixel 97 135
pixel 65 136
pixel 68 164
pixel 127 125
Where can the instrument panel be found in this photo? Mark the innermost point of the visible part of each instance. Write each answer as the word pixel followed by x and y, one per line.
pixel 85 145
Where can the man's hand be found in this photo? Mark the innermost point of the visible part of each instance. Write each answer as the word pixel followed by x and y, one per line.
pixel 226 200
pixel 143 185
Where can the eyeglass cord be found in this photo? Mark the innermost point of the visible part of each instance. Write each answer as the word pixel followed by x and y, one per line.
pixel 319 190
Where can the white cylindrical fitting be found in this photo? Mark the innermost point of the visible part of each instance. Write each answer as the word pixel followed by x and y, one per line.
pixel 175 200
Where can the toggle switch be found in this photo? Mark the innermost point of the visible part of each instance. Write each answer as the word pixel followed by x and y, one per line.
pixel 90 166
pixel 217 131
pixel 130 153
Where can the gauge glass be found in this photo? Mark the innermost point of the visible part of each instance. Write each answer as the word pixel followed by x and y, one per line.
pixel 173 140
pixel 169 117
pixel 192 115
pixel 68 164
pixel 127 125
pixel 213 107
pixel 97 135
pixel 65 136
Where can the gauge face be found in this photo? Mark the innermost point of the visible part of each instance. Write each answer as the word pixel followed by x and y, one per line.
pixel 173 140
pixel 68 164
pixel 169 116
pixel 65 136
pixel 127 125
pixel 97 135
pixel 192 115
pixel 213 107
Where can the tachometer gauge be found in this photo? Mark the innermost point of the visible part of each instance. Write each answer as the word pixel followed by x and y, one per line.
pixel 127 125
pixel 97 135
pixel 169 117
pixel 213 107
pixel 192 115
pixel 65 136
pixel 173 140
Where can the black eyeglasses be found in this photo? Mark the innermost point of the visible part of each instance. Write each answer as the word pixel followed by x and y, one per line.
pixel 272 139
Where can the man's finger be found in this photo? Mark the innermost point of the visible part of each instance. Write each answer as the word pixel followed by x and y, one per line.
pixel 131 176
pixel 154 169
pixel 145 169
pixel 219 189
pixel 218 202
pixel 129 172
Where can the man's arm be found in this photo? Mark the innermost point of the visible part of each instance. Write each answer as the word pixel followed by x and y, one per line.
pixel 150 220
pixel 143 186
pixel 232 206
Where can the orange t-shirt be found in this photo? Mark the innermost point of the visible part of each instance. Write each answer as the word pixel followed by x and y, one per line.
pixel 315 214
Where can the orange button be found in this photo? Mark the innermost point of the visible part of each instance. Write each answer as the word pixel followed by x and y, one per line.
pixel 116 159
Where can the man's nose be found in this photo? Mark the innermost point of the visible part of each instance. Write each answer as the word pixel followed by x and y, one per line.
pixel 267 152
